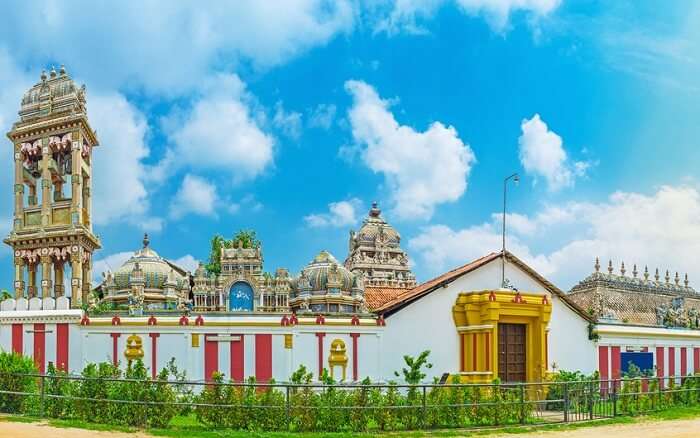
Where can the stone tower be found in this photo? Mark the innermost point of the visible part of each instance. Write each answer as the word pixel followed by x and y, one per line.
pixel 375 253
pixel 52 227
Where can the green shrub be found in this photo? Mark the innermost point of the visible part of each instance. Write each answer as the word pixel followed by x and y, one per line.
pixel 11 367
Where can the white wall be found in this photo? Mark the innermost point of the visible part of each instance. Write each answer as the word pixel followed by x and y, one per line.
pixel 427 324
pixel 569 346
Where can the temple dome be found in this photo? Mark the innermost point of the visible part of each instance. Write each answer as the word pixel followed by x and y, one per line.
pixel 324 267
pixel 155 270
pixel 375 227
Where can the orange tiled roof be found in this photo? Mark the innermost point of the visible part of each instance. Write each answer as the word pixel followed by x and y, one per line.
pixel 378 296
pixel 446 278
pixel 428 286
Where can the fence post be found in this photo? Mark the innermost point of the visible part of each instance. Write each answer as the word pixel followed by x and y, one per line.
pixel 522 403
pixel 287 407
pixel 591 399
pixel 659 392
pixel 566 402
pixel 425 408
pixel 42 396
pixel 614 397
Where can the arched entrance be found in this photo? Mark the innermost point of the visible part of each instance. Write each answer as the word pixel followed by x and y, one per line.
pixel 240 297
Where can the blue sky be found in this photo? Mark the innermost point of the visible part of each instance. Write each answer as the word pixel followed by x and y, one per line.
pixel 290 118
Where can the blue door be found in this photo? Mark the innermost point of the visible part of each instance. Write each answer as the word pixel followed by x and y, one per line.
pixel 240 297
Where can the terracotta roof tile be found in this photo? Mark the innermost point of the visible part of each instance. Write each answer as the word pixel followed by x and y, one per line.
pixel 446 278
pixel 428 286
pixel 378 296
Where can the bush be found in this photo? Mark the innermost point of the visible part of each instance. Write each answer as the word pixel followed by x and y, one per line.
pixel 12 366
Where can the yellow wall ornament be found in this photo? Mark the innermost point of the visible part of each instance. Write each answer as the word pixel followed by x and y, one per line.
pixel 338 356
pixel 479 316
pixel 134 348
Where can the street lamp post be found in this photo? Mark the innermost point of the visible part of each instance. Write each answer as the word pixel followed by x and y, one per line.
pixel 516 180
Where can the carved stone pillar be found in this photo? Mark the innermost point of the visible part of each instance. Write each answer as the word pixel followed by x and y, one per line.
pixel 45 185
pixel 59 288
pixel 87 202
pixel 77 281
pixel 46 283
pixel 76 180
pixel 87 276
pixel 19 277
pixel 31 288
pixel 19 188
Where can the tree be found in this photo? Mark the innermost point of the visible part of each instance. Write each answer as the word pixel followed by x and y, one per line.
pixel 5 294
pixel 214 265
pixel 247 239
pixel 413 375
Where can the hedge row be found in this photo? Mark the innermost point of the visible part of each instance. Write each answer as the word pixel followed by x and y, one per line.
pixel 104 396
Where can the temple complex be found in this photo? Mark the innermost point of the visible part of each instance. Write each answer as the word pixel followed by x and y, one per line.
pixel 375 253
pixel 639 298
pixel 52 227
pixel 354 319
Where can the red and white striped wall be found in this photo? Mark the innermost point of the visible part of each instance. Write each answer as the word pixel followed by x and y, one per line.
pixel 44 342
pixel 669 360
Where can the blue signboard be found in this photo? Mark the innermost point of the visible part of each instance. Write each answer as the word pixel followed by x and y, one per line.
pixel 644 360
pixel 240 297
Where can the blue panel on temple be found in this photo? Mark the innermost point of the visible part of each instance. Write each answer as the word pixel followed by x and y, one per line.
pixel 240 297
pixel 643 360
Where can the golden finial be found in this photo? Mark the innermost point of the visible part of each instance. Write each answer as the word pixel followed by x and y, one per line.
pixel 646 273
pixel 146 240
pixel 634 271
pixel 667 277
pixel 597 264
pixel 677 279
pixel 656 275
pixel 610 268
pixel 622 269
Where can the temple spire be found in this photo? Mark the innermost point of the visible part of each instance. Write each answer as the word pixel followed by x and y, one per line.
pixel 597 264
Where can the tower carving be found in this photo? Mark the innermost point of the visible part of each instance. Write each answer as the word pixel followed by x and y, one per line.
pixel 375 254
pixel 52 226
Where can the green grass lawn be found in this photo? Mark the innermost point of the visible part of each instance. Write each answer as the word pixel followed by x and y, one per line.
pixel 187 426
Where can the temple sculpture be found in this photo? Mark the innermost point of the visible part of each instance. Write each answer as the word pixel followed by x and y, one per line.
pixel 375 254
pixel 639 298
pixel 52 227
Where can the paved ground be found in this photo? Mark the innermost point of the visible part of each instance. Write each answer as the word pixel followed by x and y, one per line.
pixel 40 430
pixel 665 429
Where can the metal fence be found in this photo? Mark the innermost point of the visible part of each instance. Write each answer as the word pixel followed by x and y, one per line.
pixel 286 406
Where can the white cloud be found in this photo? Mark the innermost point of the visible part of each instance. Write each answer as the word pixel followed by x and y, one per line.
pixel 322 116
pixel 659 230
pixel 498 12
pixel 408 15
pixel 288 122
pixel 195 195
pixel 167 46
pixel 422 169
pixel 187 262
pixel 340 214
pixel 221 132
pixel 119 175
pixel 542 154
